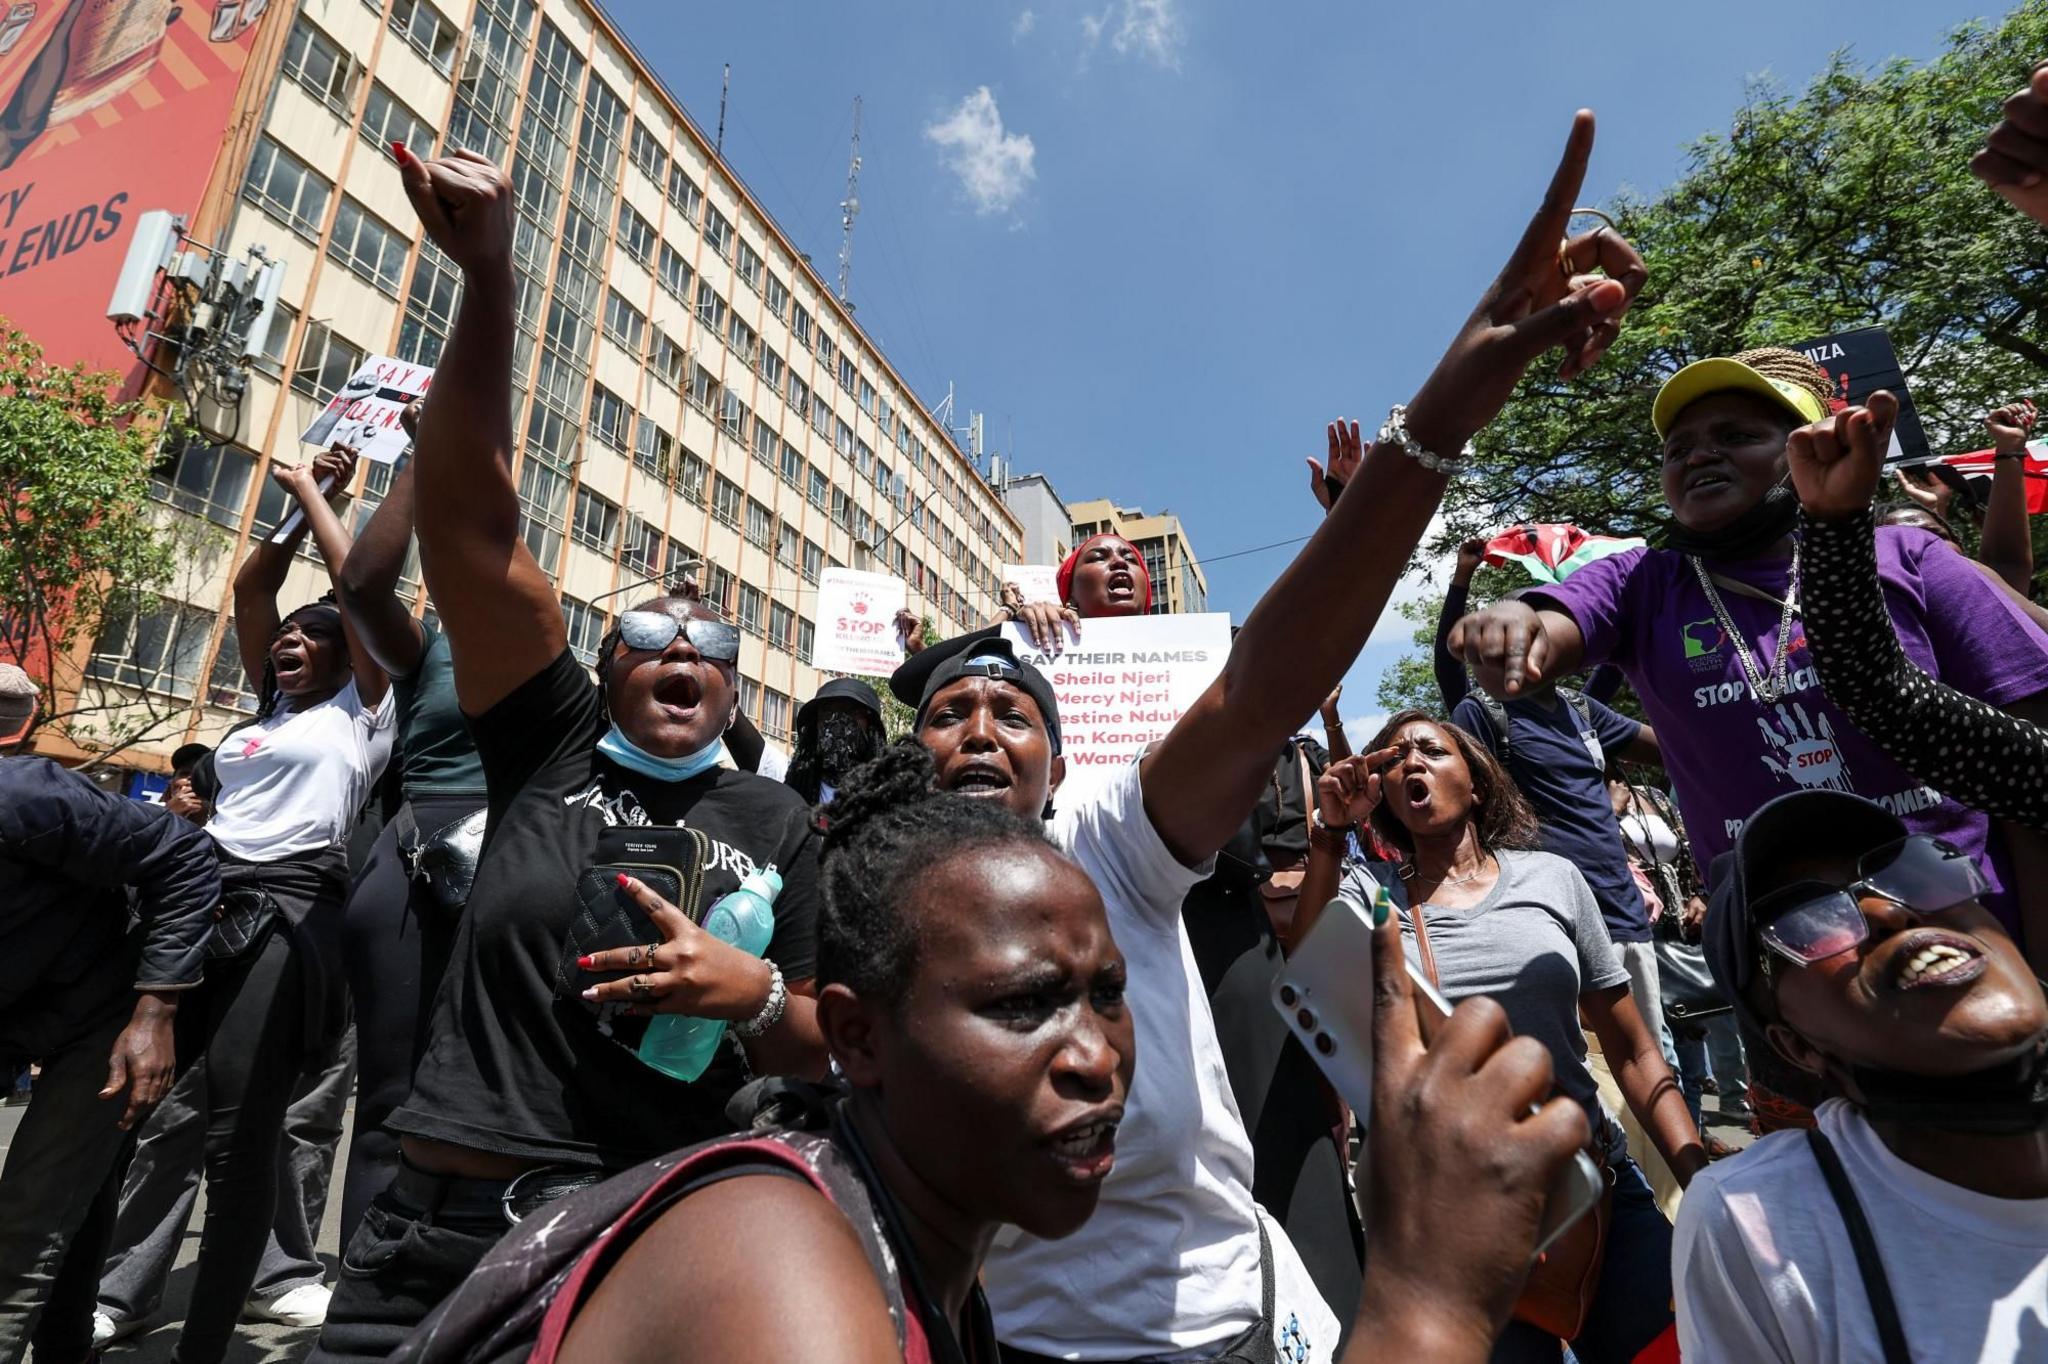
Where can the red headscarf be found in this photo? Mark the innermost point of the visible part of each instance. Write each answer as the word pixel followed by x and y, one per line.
pixel 1065 578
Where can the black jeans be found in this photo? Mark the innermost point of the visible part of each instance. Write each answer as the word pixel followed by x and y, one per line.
pixel 396 941
pixel 417 1243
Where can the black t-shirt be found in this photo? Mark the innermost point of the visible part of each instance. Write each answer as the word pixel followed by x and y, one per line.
pixel 510 1066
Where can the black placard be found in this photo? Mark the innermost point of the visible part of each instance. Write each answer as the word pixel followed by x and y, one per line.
pixel 1860 363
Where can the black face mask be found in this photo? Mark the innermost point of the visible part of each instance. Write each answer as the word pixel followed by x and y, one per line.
pixel 844 744
pixel 1747 536
pixel 2007 1099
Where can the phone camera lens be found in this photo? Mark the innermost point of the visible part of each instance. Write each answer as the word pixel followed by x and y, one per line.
pixel 1307 1019
pixel 1324 1044
pixel 1288 995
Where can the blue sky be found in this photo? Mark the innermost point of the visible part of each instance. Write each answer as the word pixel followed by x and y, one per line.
pixel 1161 242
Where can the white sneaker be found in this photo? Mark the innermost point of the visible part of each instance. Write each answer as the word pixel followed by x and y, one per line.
pixel 107 1328
pixel 305 1305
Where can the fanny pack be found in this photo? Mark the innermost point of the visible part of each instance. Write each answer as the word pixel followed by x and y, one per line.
pixel 444 861
pixel 241 921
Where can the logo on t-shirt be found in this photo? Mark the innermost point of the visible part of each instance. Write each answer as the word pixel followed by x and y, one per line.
pixel 1802 752
pixel 1703 640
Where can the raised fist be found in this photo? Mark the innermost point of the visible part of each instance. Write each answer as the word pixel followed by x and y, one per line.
pixel 465 204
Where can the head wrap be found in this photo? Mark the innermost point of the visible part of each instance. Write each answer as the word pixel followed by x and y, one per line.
pixel 1065 577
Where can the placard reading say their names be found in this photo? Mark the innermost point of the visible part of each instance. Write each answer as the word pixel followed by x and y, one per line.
pixel 857 622
pixel 1126 683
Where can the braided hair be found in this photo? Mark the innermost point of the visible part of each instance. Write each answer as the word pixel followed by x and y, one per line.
pixel 887 828
pixel 268 693
pixel 1790 367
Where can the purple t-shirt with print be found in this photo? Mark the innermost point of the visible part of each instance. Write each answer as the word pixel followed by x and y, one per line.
pixel 1726 752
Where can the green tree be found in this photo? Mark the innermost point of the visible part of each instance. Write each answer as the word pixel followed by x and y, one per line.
pixel 80 542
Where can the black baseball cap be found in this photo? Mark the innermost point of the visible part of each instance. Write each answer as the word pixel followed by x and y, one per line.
pixel 841 689
pixel 981 653
pixel 1803 822
pixel 188 755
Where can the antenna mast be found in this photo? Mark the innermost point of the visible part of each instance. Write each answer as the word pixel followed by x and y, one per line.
pixel 849 207
pixel 724 89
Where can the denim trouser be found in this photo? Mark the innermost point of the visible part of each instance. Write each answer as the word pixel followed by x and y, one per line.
pixel 1632 1305
pixel 162 1185
pixel 61 1155
pixel 1712 1046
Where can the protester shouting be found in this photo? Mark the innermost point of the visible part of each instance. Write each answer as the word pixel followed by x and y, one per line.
pixel 977 1007
pixel 1104 576
pixel 399 926
pixel 93 1005
pixel 1912 1224
pixel 1710 634
pixel 1484 913
pixel 533 1080
pixel 1178 1202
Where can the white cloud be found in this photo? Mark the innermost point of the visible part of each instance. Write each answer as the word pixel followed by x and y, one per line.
pixel 1022 28
pixel 1151 29
pixel 995 167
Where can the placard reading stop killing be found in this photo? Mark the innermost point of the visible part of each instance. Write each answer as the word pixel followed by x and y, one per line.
pixel 1126 683
pixel 857 622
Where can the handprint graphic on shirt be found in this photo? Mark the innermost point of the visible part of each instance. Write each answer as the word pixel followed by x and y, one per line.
pixel 1803 754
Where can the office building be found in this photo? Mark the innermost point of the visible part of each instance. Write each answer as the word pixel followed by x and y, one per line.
pixel 1048 527
pixel 1178 582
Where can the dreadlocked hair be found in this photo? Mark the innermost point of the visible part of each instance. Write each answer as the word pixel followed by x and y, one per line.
pixel 1790 367
pixel 889 826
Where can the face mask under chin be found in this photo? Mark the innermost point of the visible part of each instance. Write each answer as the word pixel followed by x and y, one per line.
pixel 2010 1097
pixel 1748 535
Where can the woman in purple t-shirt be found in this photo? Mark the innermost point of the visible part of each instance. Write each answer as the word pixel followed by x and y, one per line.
pixel 1709 633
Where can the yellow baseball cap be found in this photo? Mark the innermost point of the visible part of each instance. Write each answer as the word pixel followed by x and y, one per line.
pixel 1702 377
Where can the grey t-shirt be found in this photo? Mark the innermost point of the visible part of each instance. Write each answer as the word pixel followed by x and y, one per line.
pixel 1534 944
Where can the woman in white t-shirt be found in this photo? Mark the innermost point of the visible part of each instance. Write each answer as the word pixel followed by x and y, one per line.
pixel 292 783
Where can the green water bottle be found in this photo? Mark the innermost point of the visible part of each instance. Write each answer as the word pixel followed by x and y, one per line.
pixel 678 1045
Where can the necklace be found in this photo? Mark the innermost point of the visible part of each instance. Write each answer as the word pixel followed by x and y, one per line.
pixel 1765 689
pixel 1443 881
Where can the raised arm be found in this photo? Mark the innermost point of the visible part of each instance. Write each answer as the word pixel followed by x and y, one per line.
pixel 495 603
pixel 367 586
pixel 303 483
pixel 2006 546
pixel 257 583
pixel 1451 680
pixel 1203 777
pixel 1335 742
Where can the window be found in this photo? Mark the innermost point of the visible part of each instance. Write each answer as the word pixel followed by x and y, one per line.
pixel 820 487
pixel 781 626
pixel 652 449
pixel 842 437
pixel 764 442
pixel 623 322
pixel 386 120
pixel 679 557
pixel 772 369
pixel 799 396
pixel 749 266
pixel 636 234
pixel 806 639
pixel 778 298
pixel 848 375
pixel 158 650
pixel 667 359
pixel 733 415
pixel 710 307
pixel 821 416
pixel 775 710
pixel 227 682
pixel 325 363
pixel 753 608
pixel 286 188
pixel 741 338
pixel 648 153
pixel 867 397
pixel 608 416
pixel 717 232
pixel 704 389
pixel 276 340
pixel 209 480
pixel 787 543
pixel 792 467
pixel 718 588
pixel 760 524
pixel 882 475
pixel 842 509
pixel 863 458
pixel 750 697
pixel 586 630
pixel 597 522
pixel 725 500
pixel 642 549
pixel 674 273
pixel 814 561
pixel 683 193
pixel 432 36
pixel 366 246
pixel 800 326
pixel 313 60
pixel 691 473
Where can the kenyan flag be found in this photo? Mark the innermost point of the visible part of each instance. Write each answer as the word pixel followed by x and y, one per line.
pixel 1553 551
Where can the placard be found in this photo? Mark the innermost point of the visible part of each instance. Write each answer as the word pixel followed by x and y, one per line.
pixel 857 622
pixel 1037 582
pixel 1126 683
pixel 1861 362
pixel 365 412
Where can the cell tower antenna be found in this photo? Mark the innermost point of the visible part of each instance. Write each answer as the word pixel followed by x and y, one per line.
pixel 849 207
pixel 724 89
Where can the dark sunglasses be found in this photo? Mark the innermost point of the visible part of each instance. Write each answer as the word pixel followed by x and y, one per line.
pixel 1810 921
pixel 653 631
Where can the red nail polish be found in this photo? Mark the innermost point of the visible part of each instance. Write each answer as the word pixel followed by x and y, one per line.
pixel 398 149
pixel 583 962
pixel 624 880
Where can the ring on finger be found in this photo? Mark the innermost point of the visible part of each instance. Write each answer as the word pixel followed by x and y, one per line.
pixel 641 987
pixel 647 954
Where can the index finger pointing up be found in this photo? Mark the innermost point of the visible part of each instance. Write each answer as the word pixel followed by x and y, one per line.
pixel 1547 228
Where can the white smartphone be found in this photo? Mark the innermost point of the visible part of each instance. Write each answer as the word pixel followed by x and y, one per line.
pixel 1324 992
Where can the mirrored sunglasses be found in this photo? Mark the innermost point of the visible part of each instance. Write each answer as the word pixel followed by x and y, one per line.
pixel 1810 921
pixel 653 631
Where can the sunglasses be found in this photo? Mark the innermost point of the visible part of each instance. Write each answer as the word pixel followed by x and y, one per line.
pixel 1810 921
pixel 653 631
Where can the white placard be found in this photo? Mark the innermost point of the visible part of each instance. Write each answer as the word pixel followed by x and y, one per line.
pixel 364 413
pixel 857 622
pixel 1126 683
pixel 1038 582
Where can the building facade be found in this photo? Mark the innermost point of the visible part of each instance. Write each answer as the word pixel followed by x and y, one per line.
pixel 688 388
pixel 1178 582
pixel 1047 525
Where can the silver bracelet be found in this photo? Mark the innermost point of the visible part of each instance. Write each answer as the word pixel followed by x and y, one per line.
pixel 1395 432
pixel 771 1012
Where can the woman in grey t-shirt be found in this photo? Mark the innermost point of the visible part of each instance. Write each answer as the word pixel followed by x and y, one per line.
pixel 1483 913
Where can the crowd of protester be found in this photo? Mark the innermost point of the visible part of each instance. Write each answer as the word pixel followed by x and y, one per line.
pixel 914 1051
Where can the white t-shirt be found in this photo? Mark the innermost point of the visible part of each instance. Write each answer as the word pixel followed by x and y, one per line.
pixel 1169 1264
pixel 296 782
pixel 1764 1269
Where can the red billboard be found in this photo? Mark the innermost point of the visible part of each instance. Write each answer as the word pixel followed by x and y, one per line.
pixel 108 109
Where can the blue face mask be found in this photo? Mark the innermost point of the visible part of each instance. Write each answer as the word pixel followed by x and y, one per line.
pixel 633 758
